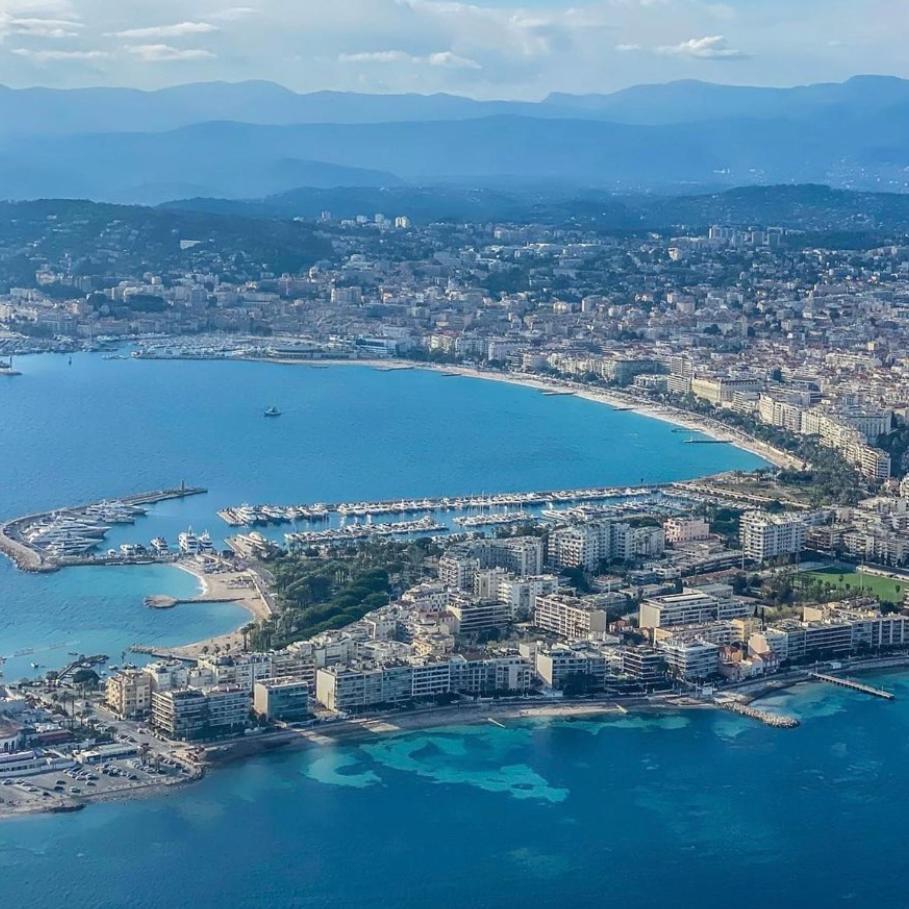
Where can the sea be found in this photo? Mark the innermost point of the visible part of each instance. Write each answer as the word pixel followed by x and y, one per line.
pixel 683 808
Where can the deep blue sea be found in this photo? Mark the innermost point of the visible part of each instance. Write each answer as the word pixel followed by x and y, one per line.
pixel 693 809
pixel 104 428
pixel 680 809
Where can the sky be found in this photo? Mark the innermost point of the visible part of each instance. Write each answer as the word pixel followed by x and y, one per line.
pixel 484 48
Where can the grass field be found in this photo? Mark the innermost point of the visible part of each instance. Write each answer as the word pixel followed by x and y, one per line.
pixel 889 590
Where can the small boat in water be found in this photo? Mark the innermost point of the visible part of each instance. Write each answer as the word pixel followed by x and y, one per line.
pixel 272 412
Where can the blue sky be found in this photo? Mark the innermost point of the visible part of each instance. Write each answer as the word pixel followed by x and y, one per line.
pixel 483 48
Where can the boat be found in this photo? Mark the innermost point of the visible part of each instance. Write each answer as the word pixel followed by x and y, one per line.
pixel 272 412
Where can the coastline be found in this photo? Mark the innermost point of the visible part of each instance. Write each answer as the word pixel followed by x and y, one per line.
pixel 350 732
pixel 217 588
pixel 623 400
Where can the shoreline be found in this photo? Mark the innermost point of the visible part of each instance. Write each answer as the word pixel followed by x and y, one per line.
pixel 351 732
pixel 621 400
pixel 216 588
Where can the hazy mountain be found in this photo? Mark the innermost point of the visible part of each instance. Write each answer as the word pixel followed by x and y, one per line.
pixel 119 144
pixel 44 111
pixel 690 100
pixel 248 161
pixel 47 111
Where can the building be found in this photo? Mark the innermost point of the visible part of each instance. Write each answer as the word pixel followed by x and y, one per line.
pixel 522 556
pixel 692 607
pixel 519 595
pixel 285 698
pixel 557 664
pixel 580 545
pixel 468 615
pixel 570 617
pixel 691 660
pixel 686 530
pixel 191 713
pixel 129 693
pixel 768 536
pixel 644 664
pixel 497 675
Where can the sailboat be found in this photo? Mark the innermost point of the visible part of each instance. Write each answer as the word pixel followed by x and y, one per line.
pixel 272 412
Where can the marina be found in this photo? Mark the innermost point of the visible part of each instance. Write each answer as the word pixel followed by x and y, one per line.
pixel 73 536
pixel 259 515
pixel 357 531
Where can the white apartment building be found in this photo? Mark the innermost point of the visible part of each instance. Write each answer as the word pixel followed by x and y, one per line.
pixel 691 660
pixel 570 617
pixel 691 607
pixel 686 530
pixel 519 595
pixel 554 665
pixel 767 536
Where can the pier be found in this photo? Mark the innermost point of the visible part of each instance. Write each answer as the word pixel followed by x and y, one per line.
pixel 854 686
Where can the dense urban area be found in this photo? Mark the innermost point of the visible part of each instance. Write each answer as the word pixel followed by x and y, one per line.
pixel 787 340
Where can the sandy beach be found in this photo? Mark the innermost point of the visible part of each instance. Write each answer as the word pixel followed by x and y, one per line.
pixel 240 588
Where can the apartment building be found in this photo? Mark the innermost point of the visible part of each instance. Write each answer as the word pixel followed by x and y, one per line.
pixel 129 693
pixel 556 664
pixel 570 617
pixel 691 660
pixel 768 536
pixel 285 698
pixel 191 713
pixel 692 607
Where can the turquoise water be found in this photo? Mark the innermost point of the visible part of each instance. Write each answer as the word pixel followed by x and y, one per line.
pixel 683 809
pixel 99 610
pixel 102 428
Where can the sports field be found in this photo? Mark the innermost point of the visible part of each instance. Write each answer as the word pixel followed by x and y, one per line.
pixel 890 590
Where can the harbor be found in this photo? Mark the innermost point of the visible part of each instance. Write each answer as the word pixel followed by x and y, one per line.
pixel 260 515
pixel 49 540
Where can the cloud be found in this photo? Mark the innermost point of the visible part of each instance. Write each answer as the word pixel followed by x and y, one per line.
pixel 44 28
pixel 444 59
pixel 177 30
pixel 47 56
pixel 233 13
pixel 628 48
pixel 710 47
pixel 164 53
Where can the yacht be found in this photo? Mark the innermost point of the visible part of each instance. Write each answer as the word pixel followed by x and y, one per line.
pixel 272 412
pixel 188 542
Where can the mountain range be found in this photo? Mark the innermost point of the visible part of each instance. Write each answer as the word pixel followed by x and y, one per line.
pixel 255 139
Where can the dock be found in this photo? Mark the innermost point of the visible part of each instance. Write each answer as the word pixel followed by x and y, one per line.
pixel 854 686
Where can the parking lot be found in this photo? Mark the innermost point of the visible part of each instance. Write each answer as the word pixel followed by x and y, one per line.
pixel 67 789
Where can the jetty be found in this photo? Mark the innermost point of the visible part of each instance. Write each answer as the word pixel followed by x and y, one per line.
pixel 854 686
pixel 777 720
